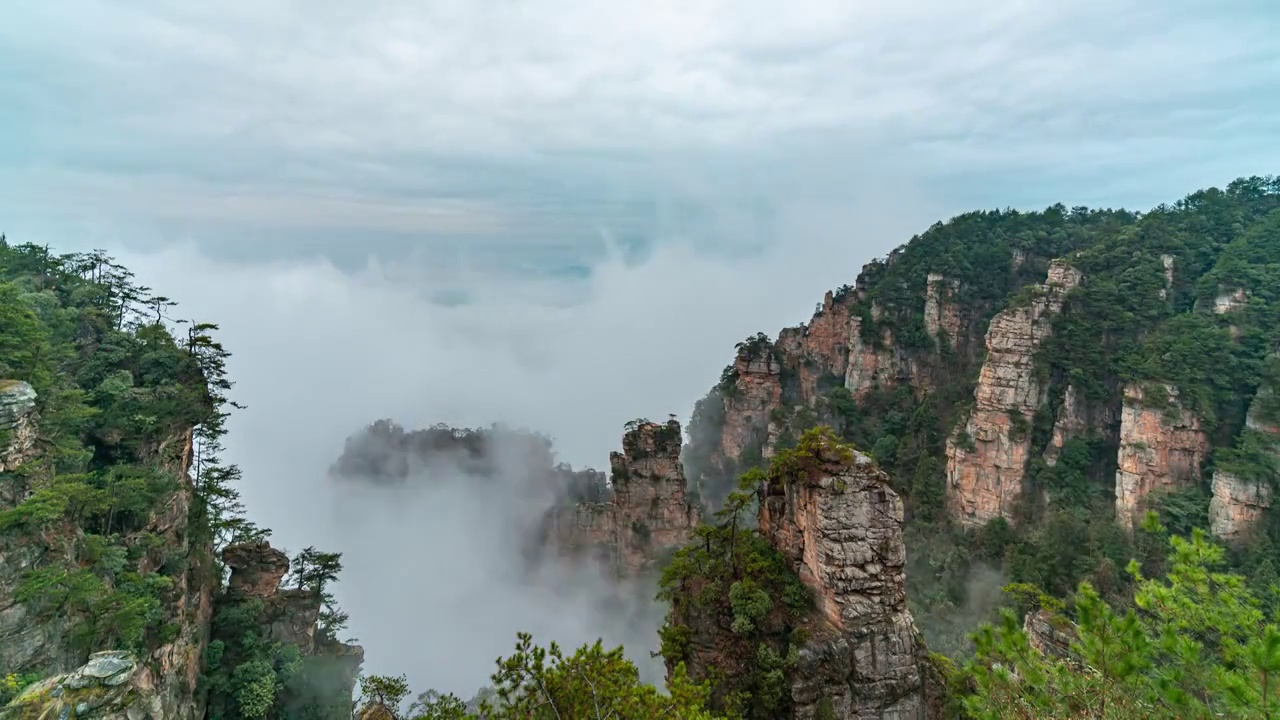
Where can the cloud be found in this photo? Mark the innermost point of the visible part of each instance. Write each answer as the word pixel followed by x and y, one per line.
pixel 319 352
pixel 527 121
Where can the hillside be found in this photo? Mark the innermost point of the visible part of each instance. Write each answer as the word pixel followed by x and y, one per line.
pixel 1021 467
pixel 1033 383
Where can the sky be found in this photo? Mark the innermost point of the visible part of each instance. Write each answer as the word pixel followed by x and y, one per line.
pixel 562 214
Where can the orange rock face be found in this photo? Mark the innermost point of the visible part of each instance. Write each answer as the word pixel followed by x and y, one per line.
pixel 756 392
pixel 648 514
pixel 987 458
pixel 1160 450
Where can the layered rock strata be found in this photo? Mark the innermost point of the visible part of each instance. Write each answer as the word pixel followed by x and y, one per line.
pixel 1162 447
pixel 987 457
pixel 648 514
pixel 841 531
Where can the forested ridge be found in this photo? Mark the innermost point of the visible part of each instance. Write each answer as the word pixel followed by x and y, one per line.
pixel 115 517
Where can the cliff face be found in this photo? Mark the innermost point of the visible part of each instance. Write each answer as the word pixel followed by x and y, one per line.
pixel 755 391
pixel 18 423
pixel 941 314
pixel 176 665
pixel 290 616
pixel 841 531
pixel 24 642
pixel 41 641
pixel 648 514
pixel 1162 447
pixel 1239 502
pixel 987 458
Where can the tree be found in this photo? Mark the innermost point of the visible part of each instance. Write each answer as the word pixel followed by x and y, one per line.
pixel 313 570
pixel 1195 645
pixel 593 683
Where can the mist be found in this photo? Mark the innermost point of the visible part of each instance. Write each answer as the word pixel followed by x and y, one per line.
pixel 320 351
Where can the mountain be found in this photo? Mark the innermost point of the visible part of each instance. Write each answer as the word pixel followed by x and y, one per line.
pixel 1042 420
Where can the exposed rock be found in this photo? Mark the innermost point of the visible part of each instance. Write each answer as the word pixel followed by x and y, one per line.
pixel 1050 633
pixel 1161 449
pixel 841 530
pixel 940 311
pixel 28 644
pixel 987 457
pixel 1230 301
pixel 1071 421
pixel 18 423
pixel 819 349
pixel 256 569
pixel 290 616
pixel 1239 503
pixel 649 512
pixel 111 686
pixel 1166 261
pixel 1236 505
pixel 755 392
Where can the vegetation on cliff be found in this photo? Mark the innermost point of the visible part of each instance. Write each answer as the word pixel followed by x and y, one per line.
pixel 110 524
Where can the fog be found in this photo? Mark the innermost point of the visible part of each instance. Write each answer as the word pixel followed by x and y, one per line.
pixel 319 352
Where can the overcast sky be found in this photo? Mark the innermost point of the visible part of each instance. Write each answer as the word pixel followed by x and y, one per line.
pixel 562 214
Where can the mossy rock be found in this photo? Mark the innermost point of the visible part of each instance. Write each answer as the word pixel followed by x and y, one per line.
pixel 108 687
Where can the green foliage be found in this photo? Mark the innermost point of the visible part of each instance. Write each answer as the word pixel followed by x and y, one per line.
pixel 13 684
pixel 536 683
pixel 1194 644
pixel 730 576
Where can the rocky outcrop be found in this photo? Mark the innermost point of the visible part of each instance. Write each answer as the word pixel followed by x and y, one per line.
pixel 1166 262
pixel 111 686
pixel 819 349
pixel 840 528
pixel 256 569
pixel 1228 301
pixel 987 456
pixel 941 314
pixel 754 391
pixel 289 616
pixel 648 514
pixel 1050 634
pixel 873 365
pixel 18 422
pixel 1071 420
pixel 1162 447
pixel 1238 503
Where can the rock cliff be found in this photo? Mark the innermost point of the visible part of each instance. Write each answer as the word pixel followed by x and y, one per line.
pixel 839 526
pixel 290 617
pixel 987 457
pixel 18 425
pixel 647 514
pixel 1050 633
pixel 813 594
pixel 1242 494
pixel 1162 447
